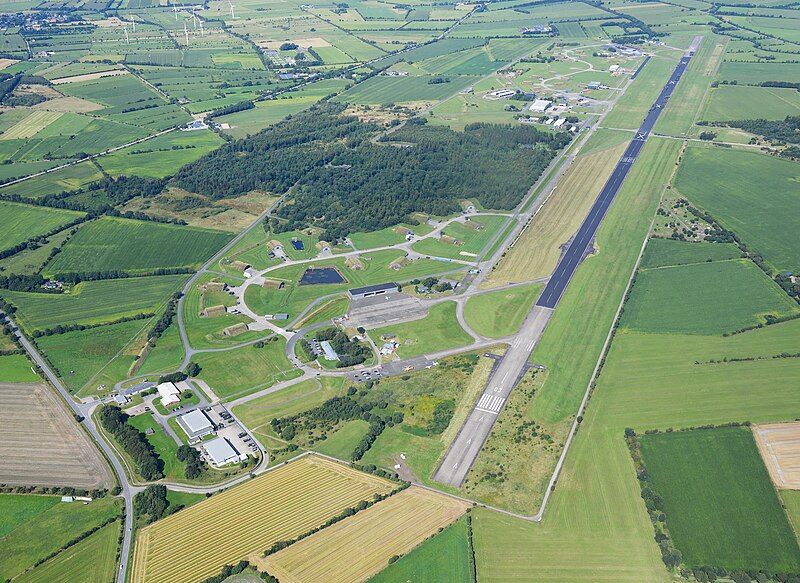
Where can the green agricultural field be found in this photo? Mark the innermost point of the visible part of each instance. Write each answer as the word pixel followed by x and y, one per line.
pixel 78 356
pixel 161 156
pixel 341 443
pixel 664 252
pixel 719 501
pixel 22 222
pixel 731 102
pixel 439 330
pixel 500 313
pixel 92 559
pixel 15 368
pixel 705 298
pixel 470 241
pixel 791 500
pixel 94 302
pixel 17 509
pixel 49 530
pixel 381 90
pixel 167 354
pixel 69 178
pixel 238 372
pixel 445 558
pixel 136 246
pixel 754 195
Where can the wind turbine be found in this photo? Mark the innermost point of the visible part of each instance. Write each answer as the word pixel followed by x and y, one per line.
pixel 134 24
pixel 175 10
pixel 194 17
pixel 202 32
pixel 127 40
pixel 233 17
pixel 186 33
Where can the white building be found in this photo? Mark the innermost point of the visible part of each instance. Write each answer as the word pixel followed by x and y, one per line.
pixel 222 452
pixel 196 424
pixel 169 393
pixel 330 353
pixel 559 122
pixel 502 94
pixel 540 105
pixel 613 68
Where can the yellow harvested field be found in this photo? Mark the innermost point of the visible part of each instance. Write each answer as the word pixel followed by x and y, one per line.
pixel 779 444
pixel 359 547
pixel 197 542
pixel 88 76
pixel 537 251
pixel 31 125
pixel 6 63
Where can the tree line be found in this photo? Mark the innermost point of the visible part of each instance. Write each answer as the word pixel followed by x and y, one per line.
pixel 133 441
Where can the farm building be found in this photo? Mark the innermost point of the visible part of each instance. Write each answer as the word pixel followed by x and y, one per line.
pixel 234 330
pixel 501 94
pixel 196 424
pixel 540 105
pixel 222 452
pixel 169 393
pixel 214 311
pixel 594 85
pixel 373 290
pixel 559 122
pixel 273 284
pixel 614 68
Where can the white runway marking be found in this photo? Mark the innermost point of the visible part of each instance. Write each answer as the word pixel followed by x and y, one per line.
pixel 490 403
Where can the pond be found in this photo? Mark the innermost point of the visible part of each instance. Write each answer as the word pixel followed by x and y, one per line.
pixel 319 275
pixel 297 244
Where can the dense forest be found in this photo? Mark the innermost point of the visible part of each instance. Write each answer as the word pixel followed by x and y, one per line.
pixel 345 182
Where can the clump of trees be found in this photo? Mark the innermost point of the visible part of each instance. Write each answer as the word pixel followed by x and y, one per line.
pixel 195 465
pixel 350 352
pixel 133 441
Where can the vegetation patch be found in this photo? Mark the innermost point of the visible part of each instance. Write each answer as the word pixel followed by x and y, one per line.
pixel 500 313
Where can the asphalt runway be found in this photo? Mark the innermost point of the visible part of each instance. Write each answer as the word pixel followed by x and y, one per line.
pixel 473 434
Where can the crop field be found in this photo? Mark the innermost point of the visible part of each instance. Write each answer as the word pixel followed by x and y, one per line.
pixel 720 505
pixel 279 505
pixel 472 242
pixel 755 73
pixel 500 313
pixel 359 547
pixel 730 102
pixel 666 252
pixel 161 156
pixel 42 444
pixel 439 330
pixel 779 446
pixel 234 373
pixel 92 559
pixel 46 532
pixel 18 509
pixel 80 356
pixel 94 302
pixel 444 559
pixel 537 251
pixel 727 182
pixel 69 178
pixel 725 296
pixel 136 246
pixel 31 125
pixel 381 90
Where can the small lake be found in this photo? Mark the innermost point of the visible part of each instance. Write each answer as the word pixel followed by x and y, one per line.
pixel 298 245
pixel 319 275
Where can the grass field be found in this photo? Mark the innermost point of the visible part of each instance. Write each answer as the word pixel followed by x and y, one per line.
pixel 538 249
pixel 136 246
pixel 15 368
pixel 359 547
pixel 444 559
pixel 342 442
pixel 732 102
pixel 382 90
pixel 664 252
pixel 472 242
pixel 22 222
pixel 48 531
pixel 79 355
pixel 94 302
pixel 92 559
pixel 750 193
pixel 724 296
pixel 437 331
pixel 235 373
pixel 719 501
pixel 276 506
pixel 17 509
pixel 500 313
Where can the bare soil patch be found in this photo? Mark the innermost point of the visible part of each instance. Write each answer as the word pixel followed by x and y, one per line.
pixel 779 444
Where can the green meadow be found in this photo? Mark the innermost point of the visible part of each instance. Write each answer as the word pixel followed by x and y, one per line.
pixel 500 313
pixel 664 252
pixel 22 222
pixel 136 246
pixel 754 195
pixel 720 504
pixel 704 298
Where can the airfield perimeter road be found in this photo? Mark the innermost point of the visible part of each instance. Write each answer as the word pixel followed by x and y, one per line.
pixel 473 434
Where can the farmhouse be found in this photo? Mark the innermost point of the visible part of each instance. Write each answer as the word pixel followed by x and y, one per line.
pixel 195 424
pixel 222 452
pixel 373 290
pixel 540 105
pixel 169 394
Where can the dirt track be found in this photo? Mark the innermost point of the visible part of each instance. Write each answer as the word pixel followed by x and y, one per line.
pixel 41 444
